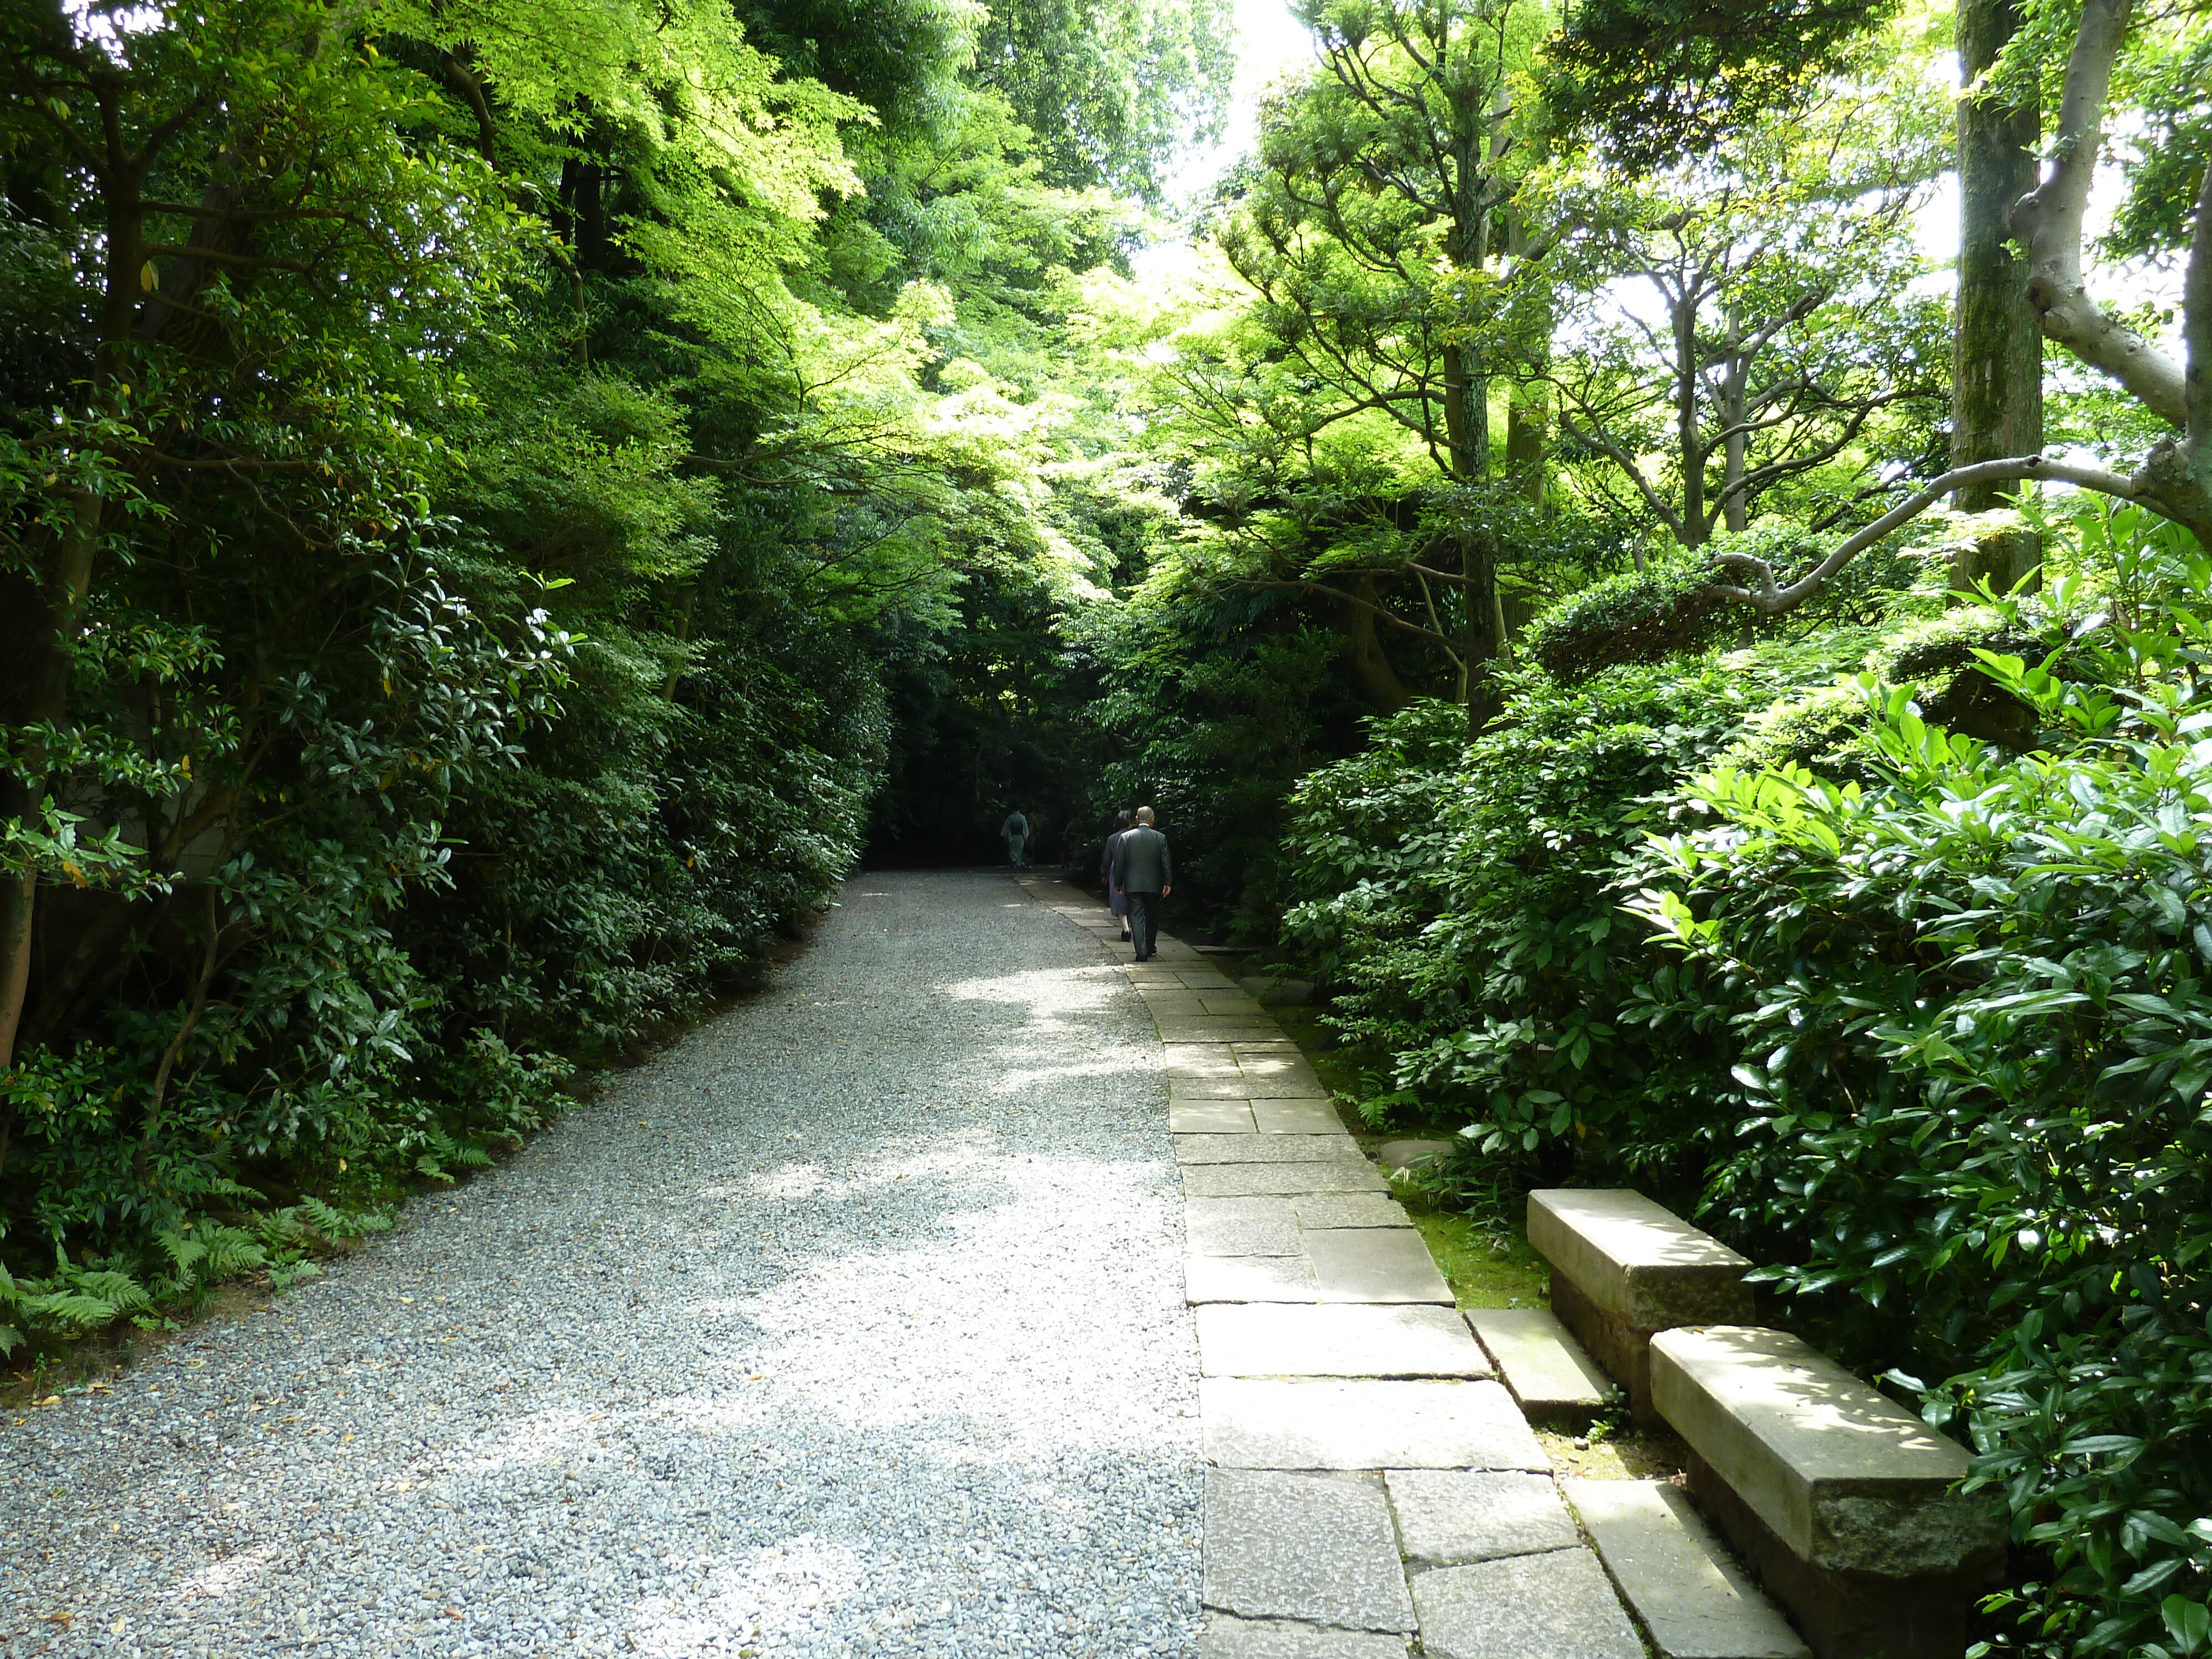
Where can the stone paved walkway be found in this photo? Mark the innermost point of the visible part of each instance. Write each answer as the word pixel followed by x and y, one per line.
pixel 1369 1483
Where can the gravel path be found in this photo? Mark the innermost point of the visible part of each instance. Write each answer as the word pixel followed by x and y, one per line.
pixel 853 1324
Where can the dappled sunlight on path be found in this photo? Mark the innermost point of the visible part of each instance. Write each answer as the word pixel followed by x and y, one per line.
pixel 852 1324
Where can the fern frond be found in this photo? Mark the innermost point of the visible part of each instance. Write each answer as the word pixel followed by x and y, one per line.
pixel 231 1252
pixel 184 1254
pixel 120 1290
pixel 70 1307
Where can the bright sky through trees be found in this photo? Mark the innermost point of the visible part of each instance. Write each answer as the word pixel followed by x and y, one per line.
pixel 1269 41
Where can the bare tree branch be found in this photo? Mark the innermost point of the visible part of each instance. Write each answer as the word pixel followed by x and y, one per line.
pixel 1772 598
pixel 1598 439
pixel 1381 613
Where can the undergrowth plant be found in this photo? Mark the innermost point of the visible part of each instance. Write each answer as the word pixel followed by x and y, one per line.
pixel 1890 953
pixel 1971 999
pixel 80 1299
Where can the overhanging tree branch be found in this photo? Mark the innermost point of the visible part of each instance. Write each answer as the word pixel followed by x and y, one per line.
pixel 1381 613
pixel 1773 598
pixel 2196 335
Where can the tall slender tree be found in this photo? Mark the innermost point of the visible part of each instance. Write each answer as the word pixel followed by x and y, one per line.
pixel 1996 374
pixel 1758 306
pixel 1374 227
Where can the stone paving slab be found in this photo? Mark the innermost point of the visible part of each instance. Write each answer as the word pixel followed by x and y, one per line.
pixel 1296 1117
pixel 1278 1180
pixel 1229 1637
pixel 1242 1226
pixel 1450 1516
pixel 1301 1266
pixel 1545 1368
pixel 1248 1278
pixel 1234 1148
pixel 1374 1264
pixel 1211 1117
pixel 1555 1606
pixel 1305 1274
pixel 1279 1060
pixel 1219 1085
pixel 1200 1060
pixel 1232 1002
pixel 1257 1424
pixel 1344 1341
pixel 1319 1210
pixel 1280 1068
pixel 1172 1000
pixel 1315 1547
pixel 1694 1601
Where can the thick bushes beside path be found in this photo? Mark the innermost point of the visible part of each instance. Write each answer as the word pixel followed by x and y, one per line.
pixel 1927 1026
pixel 1462 900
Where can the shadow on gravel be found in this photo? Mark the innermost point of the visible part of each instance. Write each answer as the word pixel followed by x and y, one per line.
pixel 852 1324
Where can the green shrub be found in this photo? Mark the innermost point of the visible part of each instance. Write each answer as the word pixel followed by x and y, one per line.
pixel 1460 898
pixel 1972 1006
pixel 1670 609
pixel 1932 1036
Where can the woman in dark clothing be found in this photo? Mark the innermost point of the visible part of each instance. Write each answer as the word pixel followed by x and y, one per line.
pixel 1117 902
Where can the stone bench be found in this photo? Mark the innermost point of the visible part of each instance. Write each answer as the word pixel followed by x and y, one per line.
pixel 1623 1268
pixel 1840 1499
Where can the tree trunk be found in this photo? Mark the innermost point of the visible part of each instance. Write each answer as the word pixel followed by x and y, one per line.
pixel 1371 668
pixel 1527 414
pixel 1736 513
pixel 45 684
pixel 1466 392
pixel 1528 418
pixel 39 685
pixel 2049 221
pixel 1997 351
pixel 1466 431
pixel 1695 529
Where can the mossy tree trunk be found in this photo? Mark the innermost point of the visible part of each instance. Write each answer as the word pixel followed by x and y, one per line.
pixel 1997 363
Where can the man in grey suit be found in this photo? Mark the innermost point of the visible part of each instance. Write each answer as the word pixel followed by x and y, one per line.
pixel 1143 870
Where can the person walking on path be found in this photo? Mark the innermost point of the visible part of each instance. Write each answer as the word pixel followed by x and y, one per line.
pixel 1015 831
pixel 1117 900
pixel 1144 870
